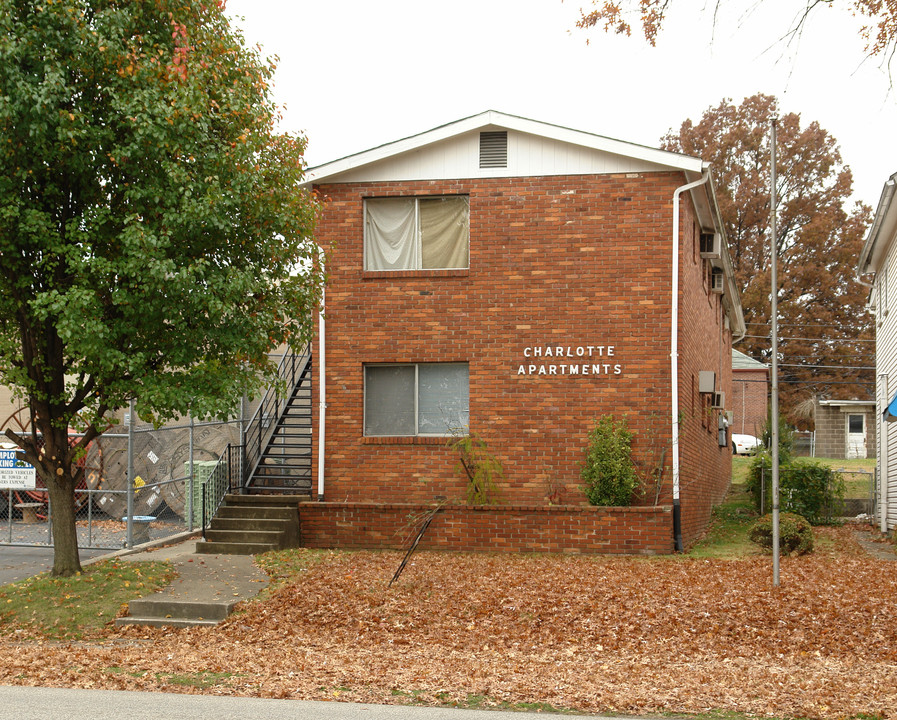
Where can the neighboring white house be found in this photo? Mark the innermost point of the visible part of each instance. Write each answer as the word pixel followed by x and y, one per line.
pixel 879 260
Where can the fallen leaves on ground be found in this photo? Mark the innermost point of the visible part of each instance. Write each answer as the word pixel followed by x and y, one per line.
pixel 597 634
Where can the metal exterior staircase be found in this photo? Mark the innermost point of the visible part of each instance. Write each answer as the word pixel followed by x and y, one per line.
pixel 278 458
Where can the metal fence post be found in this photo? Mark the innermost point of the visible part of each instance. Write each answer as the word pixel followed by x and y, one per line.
pixel 191 478
pixel 130 488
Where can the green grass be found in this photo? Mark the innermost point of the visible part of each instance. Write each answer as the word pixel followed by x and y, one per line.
pixel 727 536
pixel 74 607
pixel 284 565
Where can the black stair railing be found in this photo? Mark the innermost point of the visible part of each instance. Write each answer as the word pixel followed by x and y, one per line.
pixel 226 477
pixel 261 427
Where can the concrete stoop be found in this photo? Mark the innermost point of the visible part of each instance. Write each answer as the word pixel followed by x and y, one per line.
pixel 205 591
pixel 252 524
pixel 175 613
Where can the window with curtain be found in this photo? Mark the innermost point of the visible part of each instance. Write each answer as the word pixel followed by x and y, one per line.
pixel 416 399
pixel 426 233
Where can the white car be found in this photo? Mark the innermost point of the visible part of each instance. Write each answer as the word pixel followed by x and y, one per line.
pixel 744 444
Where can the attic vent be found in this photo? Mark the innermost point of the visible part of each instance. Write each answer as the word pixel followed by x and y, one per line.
pixel 494 149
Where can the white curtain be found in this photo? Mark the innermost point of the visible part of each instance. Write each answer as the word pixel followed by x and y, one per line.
pixel 416 233
pixel 444 229
pixel 391 237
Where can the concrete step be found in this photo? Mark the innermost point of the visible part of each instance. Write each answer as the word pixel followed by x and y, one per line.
pixel 255 500
pixel 174 609
pixel 249 524
pixel 164 622
pixel 243 535
pixel 233 548
pixel 263 512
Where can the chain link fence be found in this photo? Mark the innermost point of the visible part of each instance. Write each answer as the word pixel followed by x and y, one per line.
pixel 164 498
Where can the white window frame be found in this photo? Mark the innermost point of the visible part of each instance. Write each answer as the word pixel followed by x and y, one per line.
pixel 416 199
pixel 453 432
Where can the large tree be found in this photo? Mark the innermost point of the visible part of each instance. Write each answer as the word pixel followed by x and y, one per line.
pixel 826 332
pixel 153 235
pixel 879 16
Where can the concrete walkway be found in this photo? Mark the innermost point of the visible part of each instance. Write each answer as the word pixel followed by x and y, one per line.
pixel 879 549
pixel 206 590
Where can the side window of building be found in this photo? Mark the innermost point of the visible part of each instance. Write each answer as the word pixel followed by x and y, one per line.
pixel 412 399
pixel 426 233
pixel 882 282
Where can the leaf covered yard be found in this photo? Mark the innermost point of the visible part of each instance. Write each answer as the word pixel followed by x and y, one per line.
pixel 626 635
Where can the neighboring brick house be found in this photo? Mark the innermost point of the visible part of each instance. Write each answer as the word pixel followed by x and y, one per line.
pixel 514 278
pixel 750 390
pixel 844 428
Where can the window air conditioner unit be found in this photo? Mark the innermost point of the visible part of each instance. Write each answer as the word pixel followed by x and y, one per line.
pixel 710 244
pixel 716 281
pixel 706 381
pixel 719 401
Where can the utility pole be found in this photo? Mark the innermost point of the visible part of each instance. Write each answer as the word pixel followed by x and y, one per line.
pixel 774 317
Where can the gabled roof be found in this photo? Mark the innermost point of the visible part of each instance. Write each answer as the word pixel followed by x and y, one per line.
pixel 495 119
pixel 882 232
pixel 740 361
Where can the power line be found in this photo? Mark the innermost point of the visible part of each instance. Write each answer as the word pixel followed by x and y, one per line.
pixel 826 367
pixel 852 340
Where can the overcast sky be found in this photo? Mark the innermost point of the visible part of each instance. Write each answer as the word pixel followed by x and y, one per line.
pixel 354 74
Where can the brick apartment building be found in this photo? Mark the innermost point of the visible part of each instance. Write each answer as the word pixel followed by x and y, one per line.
pixel 750 390
pixel 515 279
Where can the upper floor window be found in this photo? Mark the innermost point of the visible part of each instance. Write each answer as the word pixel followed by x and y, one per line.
pixel 426 233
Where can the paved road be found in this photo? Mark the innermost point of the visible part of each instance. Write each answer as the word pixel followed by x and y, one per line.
pixel 26 703
pixel 18 563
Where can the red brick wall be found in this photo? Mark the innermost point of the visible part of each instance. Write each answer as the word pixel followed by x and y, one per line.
pixel 704 344
pixel 506 528
pixel 559 261
pixel 749 393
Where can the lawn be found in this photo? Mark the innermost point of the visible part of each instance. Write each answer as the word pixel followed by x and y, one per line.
pixel 682 634
pixel 702 634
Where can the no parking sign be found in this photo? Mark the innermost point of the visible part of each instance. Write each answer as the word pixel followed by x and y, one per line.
pixel 15 474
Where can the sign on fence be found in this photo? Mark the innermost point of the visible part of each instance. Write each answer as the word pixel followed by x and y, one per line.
pixel 15 474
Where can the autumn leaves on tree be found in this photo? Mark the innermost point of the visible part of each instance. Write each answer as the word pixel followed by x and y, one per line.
pixel 825 331
pixel 151 223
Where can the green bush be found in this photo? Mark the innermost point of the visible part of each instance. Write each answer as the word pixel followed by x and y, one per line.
pixel 483 470
pixel 806 487
pixel 795 534
pixel 786 439
pixel 608 474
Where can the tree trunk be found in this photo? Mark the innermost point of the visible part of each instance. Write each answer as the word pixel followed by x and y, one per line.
pixel 66 560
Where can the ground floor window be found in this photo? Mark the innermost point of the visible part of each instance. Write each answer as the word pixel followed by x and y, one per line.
pixel 416 399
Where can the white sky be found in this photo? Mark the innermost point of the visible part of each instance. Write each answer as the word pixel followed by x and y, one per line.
pixel 354 74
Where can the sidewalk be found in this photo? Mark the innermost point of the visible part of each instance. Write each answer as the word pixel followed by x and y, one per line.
pixel 206 590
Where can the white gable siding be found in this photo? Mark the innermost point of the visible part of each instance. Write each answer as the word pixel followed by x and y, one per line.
pixel 528 155
pixel 886 369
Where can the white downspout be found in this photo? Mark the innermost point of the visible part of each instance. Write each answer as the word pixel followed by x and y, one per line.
pixel 322 399
pixel 674 359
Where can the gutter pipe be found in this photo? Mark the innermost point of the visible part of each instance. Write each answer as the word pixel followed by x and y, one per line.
pixel 674 359
pixel 322 398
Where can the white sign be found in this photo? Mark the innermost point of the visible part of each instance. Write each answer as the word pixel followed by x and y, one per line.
pixel 15 473
pixel 570 360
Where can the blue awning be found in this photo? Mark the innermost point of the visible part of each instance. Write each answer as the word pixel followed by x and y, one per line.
pixel 890 413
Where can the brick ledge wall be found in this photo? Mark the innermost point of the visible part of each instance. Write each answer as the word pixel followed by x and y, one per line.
pixel 495 528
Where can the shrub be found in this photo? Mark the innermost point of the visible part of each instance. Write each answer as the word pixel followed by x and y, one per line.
pixel 608 474
pixel 806 488
pixel 482 469
pixel 795 534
